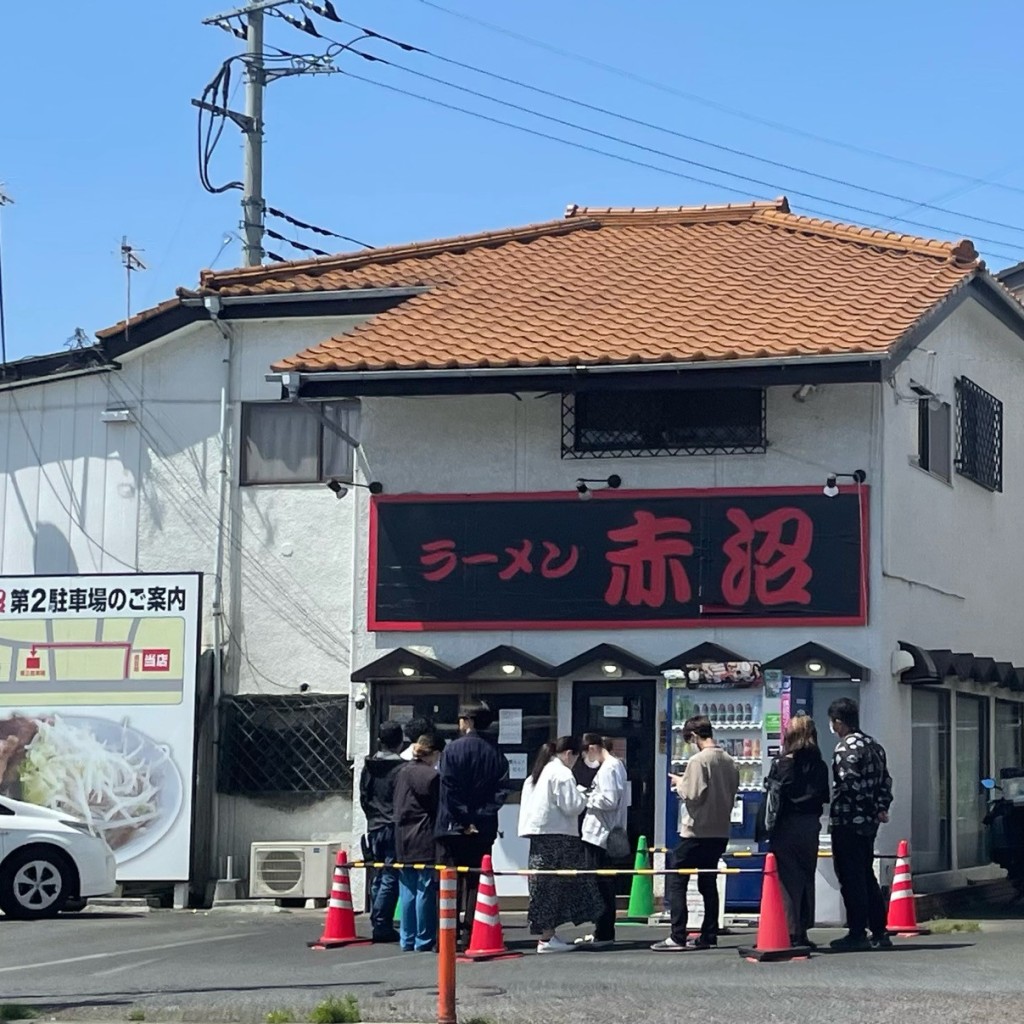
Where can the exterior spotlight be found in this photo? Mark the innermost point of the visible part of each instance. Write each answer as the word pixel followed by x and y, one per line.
pixel 341 487
pixel 508 669
pixel 609 668
pixel 586 493
pixel 831 488
pixel 815 667
pixel 407 670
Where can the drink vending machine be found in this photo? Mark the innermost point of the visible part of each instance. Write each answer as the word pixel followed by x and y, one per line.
pixel 744 714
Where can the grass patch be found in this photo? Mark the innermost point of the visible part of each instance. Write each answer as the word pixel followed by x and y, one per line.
pixel 478 1020
pixel 16 1011
pixel 337 1011
pixel 136 1014
pixel 949 927
pixel 280 1017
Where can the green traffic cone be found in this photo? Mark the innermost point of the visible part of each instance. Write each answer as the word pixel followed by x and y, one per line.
pixel 641 893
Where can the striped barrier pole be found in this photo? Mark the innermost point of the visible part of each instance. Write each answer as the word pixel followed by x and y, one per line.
pixel 446 936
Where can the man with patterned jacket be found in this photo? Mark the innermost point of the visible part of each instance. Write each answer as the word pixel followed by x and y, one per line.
pixel 861 796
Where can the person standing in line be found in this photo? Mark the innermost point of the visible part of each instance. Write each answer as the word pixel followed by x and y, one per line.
pixel 417 791
pixel 414 729
pixel 474 781
pixel 377 799
pixel 549 817
pixel 707 791
pixel 861 797
pixel 801 775
pixel 607 804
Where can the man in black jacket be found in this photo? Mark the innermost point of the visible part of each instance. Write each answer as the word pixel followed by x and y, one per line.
pixel 377 798
pixel 474 775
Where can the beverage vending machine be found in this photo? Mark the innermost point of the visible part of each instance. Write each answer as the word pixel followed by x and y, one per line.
pixel 732 696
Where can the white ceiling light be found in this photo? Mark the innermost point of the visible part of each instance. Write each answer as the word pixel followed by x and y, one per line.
pixel 407 670
pixel 609 668
pixel 508 669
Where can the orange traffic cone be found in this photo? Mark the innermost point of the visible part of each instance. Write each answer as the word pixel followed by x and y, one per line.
pixel 772 930
pixel 340 923
pixel 902 913
pixel 487 941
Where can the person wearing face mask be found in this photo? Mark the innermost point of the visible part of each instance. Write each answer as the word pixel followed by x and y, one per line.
pixel 607 806
pixel 548 815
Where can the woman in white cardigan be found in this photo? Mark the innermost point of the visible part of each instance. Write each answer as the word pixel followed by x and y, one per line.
pixel 549 817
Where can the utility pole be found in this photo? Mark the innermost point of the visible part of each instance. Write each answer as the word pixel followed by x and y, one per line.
pixel 5 200
pixel 247 22
pixel 252 194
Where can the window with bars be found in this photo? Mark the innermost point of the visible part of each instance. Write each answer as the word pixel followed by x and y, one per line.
pixel 283 744
pixel 290 443
pixel 979 435
pixel 712 421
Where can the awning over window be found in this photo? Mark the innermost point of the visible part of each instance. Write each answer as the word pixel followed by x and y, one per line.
pixel 934 667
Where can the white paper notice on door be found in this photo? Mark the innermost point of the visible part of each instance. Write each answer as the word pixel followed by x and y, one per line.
pixel 510 727
pixel 615 711
pixel 736 818
pixel 516 766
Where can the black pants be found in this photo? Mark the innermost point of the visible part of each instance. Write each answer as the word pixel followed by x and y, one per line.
pixel 596 857
pixel 466 851
pixel 694 853
pixel 795 845
pixel 852 857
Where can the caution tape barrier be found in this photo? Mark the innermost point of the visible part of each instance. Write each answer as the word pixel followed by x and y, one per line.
pixel 822 854
pixel 563 872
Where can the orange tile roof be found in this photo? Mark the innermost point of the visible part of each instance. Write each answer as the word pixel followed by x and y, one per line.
pixel 620 286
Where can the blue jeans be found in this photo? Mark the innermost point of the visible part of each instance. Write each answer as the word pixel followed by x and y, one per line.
pixel 380 846
pixel 418 923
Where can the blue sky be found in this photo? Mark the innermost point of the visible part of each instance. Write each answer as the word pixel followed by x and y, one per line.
pixel 98 138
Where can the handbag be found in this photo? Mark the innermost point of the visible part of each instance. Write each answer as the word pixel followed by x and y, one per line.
pixel 618 844
pixel 768 812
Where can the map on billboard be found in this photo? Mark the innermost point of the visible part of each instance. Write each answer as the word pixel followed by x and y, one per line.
pixel 97 704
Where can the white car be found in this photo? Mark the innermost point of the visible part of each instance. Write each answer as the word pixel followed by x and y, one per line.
pixel 48 859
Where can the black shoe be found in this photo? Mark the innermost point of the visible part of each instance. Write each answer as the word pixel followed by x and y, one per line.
pixel 802 942
pixel 851 944
pixel 881 941
pixel 383 937
pixel 704 942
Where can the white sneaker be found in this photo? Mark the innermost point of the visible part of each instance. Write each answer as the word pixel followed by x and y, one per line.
pixel 589 942
pixel 555 945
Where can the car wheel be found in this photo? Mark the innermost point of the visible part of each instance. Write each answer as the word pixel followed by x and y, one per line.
pixel 76 905
pixel 34 883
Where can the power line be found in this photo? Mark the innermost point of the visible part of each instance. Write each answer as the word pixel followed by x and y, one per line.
pixel 773 186
pixel 714 104
pixel 295 222
pixel 640 122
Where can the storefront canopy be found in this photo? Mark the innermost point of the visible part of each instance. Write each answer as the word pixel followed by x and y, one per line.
pixel 934 667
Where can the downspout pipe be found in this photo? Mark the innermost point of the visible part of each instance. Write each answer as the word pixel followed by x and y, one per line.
pixel 213 308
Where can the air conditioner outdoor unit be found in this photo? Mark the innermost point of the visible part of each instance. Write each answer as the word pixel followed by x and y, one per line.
pixel 293 870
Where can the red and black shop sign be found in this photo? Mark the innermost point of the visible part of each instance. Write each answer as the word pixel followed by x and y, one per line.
pixel 767 556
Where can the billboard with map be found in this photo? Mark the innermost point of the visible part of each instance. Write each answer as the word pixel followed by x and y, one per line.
pixel 97 708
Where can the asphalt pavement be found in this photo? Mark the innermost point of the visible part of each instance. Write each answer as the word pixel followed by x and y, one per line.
pixel 231 965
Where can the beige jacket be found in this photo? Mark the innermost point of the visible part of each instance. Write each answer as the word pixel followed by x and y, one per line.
pixel 707 792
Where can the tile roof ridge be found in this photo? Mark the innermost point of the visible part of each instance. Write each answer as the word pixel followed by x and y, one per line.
pixel 961 254
pixel 212 280
pixel 708 213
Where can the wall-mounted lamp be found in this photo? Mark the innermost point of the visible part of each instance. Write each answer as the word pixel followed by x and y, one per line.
pixel 831 488
pixel 815 667
pixel 586 492
pixel 406 670
pixel 508 669
pixel 341 487
pixel 116 416
pixel 610 669
pixel 803 392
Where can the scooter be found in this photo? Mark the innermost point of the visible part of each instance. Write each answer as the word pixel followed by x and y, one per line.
pixel 1005 822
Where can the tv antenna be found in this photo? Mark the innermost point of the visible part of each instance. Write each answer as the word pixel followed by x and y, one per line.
pixel 132 263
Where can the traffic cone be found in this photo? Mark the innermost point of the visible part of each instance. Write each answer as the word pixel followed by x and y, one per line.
pixel 641 892
pixel 772 929
pixel 487 942
pixel 340 923
pixel 902 912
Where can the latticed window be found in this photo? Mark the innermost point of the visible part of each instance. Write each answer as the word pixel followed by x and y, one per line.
pixel 979 435
pixel 711 421
pixel 293 744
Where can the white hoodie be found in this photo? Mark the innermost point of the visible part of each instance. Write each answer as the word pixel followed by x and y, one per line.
pixel 554 805
pixel 607 802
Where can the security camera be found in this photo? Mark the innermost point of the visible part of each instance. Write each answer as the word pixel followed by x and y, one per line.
pixel 360 698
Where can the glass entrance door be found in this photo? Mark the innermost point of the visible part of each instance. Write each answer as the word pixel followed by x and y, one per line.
pixel 971 768
pixel 624 712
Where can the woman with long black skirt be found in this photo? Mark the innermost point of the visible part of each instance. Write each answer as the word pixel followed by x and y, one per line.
pixel 802 778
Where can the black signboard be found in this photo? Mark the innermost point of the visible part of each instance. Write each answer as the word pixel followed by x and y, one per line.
pixel 767 556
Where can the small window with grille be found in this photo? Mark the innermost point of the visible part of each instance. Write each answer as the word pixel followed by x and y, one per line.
pixel 293 443
pixel 283 744
pixel 712 421
pixel 979 435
